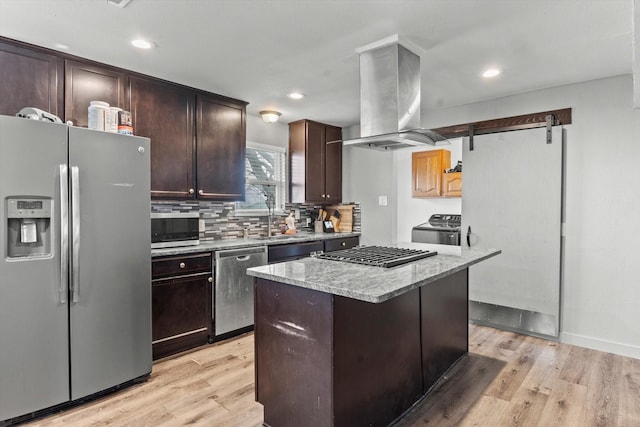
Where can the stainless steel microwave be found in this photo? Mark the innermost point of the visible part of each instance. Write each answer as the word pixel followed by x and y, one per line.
pixel 174 229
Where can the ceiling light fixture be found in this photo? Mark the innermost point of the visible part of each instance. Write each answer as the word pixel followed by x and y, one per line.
pixel 491 72
pixel 295 95
pixel 143 44
pixel 270 116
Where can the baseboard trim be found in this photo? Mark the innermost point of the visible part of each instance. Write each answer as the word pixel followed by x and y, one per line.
pixel 620 349
pixel 513 319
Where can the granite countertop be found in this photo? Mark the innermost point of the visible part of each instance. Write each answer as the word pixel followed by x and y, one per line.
pixel 372 284
pixel 217 245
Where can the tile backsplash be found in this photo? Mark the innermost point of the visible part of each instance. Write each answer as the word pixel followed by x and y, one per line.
pixel 221 221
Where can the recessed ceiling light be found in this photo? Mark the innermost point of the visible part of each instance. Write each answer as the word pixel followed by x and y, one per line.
pixel 143 44
pixel 491 72
pixel 295 95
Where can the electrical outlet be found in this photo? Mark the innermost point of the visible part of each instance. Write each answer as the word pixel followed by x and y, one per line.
pixel 382 200
pixel 296 213
pixel 307 221
pixel 201 225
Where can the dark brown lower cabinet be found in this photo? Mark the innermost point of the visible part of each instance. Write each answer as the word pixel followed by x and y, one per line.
pixel 181 303
pixel 327 360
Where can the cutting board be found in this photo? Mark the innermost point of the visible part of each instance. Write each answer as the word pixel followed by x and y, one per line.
pixel 346 217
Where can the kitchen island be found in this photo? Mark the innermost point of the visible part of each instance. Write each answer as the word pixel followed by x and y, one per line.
pixel 340 344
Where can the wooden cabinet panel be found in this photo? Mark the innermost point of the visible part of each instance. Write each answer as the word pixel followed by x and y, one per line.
pixel 427 168
pixel 293 251
pixel 181 265
pixel 315 162
pixel 340 244
pixel 333 164
pixel 221 149
pixel 164 113
pixel 315 154
pixel 29 79
pixel 452 184
pixel 181 303
pixel 85 83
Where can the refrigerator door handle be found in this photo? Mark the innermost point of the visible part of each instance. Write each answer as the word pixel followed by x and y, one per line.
pixel 75 222
pixel 64 234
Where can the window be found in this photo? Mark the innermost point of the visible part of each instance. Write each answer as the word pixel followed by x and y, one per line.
pixel 265 168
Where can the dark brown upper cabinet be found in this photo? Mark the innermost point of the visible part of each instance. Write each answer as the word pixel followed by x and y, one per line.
pixel 29 79
pixel 197 138
pixel 87 82
pixel 315 155
pixel 220 148
pixel 164 113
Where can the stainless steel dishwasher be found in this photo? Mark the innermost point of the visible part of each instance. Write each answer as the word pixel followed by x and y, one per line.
pixel 233 288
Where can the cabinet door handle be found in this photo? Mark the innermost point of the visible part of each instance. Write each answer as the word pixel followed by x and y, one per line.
pixel 323 196
pixel 328 196
pixel 469 237
pixel 210 279
pixel 201 192
pixel 191 191
pixel 183 265
pixel 343 243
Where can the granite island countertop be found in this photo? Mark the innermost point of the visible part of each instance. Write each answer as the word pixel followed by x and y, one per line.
pixel 218 245
pixel 371 284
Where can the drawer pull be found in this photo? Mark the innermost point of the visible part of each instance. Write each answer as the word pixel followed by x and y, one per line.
pixel 183 265
pixel 343 243
pixel 210 279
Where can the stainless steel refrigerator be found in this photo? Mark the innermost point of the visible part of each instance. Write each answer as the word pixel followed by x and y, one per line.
pixel 75 263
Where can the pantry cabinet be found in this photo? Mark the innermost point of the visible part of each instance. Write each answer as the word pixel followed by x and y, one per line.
pixel 315 155
pixel 30 78
pixel 86 82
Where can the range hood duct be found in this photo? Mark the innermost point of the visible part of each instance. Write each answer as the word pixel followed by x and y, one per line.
pixel 390 100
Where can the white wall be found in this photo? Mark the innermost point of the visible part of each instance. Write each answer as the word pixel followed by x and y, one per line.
pixel 366 175
pixel 267 133
pixel 601 291
pixel 412 211
pixel 601 288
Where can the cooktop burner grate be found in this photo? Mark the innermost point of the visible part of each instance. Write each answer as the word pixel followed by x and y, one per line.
pixel 378 256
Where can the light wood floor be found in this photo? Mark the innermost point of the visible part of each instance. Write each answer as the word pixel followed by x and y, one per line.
pixel 506 380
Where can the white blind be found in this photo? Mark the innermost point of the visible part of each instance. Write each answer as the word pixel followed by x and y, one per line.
pixel 265 169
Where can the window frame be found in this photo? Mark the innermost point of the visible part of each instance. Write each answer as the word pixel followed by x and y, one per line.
pixel 279 208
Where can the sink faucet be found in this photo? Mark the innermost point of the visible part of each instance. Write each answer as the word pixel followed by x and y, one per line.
pixel 269 201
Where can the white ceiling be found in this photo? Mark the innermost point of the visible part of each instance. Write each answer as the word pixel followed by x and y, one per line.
pixel 259 50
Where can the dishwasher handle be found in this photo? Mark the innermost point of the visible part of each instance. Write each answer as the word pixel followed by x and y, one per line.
pixel 242 254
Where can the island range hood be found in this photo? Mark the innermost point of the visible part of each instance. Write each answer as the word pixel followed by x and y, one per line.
pixel 390 99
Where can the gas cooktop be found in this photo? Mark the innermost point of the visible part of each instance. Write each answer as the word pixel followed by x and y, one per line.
pixel 378 256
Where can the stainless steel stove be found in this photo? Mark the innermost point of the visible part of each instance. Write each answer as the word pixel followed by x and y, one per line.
pixel 443 229
pixel 378 256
